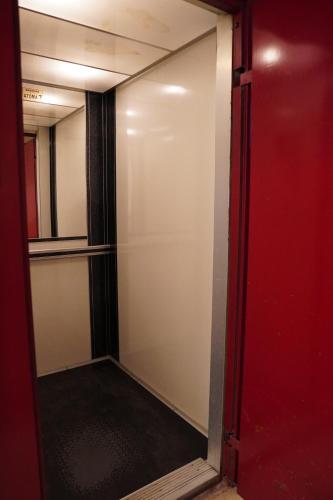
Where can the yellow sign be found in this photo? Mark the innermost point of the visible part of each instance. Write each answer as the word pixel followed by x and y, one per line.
pixel 32 94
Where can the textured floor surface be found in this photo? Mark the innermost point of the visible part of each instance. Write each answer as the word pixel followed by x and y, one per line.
pixel 104 436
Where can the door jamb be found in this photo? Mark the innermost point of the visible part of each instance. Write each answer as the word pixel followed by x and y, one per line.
pixel 238 227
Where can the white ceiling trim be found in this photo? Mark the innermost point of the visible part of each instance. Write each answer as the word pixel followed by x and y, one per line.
pixel 70 42
pixel 40 121
pixel 43 69
pixel 167 24
pixel 46 110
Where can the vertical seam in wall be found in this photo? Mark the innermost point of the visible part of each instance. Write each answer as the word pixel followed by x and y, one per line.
pixel 39 196
pixel 90 259
pixel 115 235
pixel 105 216
pixel 53 181
pixel 103 170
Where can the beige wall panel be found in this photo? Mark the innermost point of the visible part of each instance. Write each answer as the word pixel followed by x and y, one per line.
pixel 61 312
pixel 165 216
pixel 58 244
pixel 71 176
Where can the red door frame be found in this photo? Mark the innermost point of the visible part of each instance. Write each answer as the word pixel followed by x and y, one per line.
pixel 20 461
pixel 20 472
pixel 238 229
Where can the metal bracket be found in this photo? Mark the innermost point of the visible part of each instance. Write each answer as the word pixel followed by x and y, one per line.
pixel 241 77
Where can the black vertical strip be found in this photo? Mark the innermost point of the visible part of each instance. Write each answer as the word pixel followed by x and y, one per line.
pixel 53 182
pixel 109 120
pixel 101 222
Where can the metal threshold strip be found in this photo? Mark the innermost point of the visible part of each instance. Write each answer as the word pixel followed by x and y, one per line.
pixel 182 483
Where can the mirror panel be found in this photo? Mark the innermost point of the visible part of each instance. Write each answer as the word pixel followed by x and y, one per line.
pixel 55 161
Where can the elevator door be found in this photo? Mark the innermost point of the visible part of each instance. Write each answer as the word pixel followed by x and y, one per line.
pixel 286 437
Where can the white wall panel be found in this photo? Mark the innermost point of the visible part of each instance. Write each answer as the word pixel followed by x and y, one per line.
pixel 71 179
pixel 165 216
pixel 61 312
pixel 164 23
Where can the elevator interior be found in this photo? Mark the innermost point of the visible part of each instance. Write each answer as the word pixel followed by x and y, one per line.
pixel 120 118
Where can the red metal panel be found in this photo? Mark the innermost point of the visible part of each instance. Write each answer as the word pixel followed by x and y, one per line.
pixel 286 437
pixel 31 187
pixel 19 457
pixel 237 246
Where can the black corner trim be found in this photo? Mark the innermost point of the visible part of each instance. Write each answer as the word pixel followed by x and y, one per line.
pixel 101 187
pixel 53 182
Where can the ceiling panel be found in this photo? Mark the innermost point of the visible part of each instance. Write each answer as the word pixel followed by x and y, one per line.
pixel 54 95
pixel 46 110
pixel 74 43
pixel 42 69
pixel 164 23
pixel 41 121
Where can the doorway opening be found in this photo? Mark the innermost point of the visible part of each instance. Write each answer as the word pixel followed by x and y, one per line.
pixel 131 105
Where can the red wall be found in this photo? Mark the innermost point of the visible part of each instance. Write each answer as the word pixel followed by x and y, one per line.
pixel 286 438
pixel 19 458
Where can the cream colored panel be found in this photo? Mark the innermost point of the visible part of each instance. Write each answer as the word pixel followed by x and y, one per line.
pixel 46 110
pixel 74 43
pixel 58 244
pixel 43 172
pixel 71 177
pixel 54 95
pixel 165 214
pixel 41 121
pixel 61 312
pixel 164 23
pixel 46 70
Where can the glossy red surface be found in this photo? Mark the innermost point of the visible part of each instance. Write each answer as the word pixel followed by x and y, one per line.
pixel 19 457
pixel 286 437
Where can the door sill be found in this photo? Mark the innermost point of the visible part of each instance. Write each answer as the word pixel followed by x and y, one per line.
pixel 184 482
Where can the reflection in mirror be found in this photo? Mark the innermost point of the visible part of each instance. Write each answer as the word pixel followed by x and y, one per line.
pixel 55 161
